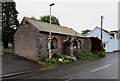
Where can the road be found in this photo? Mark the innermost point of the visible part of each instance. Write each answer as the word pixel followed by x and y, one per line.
pixel 102 68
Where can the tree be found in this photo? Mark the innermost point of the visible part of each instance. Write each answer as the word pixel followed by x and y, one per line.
pixel 84 32
pixel 114 31
pixel 54 20
pixel 10 22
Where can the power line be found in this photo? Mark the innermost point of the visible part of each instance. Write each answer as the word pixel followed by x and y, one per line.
pixel 110 21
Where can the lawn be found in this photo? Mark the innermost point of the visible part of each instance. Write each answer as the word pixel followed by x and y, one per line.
pixel 8 49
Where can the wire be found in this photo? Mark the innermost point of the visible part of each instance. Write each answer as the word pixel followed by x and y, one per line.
pixel 110 21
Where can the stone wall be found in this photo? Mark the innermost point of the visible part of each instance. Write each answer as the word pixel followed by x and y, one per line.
pixel 43 44
pixel 83 45
pixel 26 42
pixel 33 44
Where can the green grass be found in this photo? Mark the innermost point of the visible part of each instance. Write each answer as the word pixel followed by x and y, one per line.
pixel 8 49
pixel 90 55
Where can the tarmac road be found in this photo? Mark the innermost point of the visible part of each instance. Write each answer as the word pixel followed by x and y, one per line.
pixel 12 63
pixel 102 68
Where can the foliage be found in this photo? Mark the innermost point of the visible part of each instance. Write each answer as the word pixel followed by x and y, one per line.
pixel 100 53
pixel 84 32
pixel 86 55
pixel 58 59
pixel 7 36
pixel 54 20
pixel 9 22
pixel 114 31
pixel 90 55
pixel 96 44
pixel 63 59
pixel 8 49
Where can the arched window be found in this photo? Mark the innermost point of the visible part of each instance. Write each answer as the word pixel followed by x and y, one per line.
pixel 54 43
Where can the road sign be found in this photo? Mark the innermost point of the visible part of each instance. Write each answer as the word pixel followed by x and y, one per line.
pixel 49 37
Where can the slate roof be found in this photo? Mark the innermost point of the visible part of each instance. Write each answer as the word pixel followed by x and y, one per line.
pixel 43 26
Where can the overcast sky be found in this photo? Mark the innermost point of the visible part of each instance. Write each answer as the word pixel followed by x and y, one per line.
pixel 76 14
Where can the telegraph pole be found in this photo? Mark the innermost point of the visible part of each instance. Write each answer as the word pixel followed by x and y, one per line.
pixel 101 27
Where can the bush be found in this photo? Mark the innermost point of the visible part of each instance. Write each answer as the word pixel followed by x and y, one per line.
pixel 63 59
pixel 100 53
pixel 58 59
pixel 90 55
pixel 86 55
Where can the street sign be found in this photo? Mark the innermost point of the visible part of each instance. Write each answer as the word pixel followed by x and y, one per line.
pixel 49 37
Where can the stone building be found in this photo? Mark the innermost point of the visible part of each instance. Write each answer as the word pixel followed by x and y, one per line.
pixel 31 40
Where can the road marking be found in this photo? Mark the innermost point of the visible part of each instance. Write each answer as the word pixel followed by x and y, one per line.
pixel 100 68
pixel 68 79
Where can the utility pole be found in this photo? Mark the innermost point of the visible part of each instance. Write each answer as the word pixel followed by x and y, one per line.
pixel 101 27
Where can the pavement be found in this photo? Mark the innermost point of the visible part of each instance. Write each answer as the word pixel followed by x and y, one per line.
pixel 13 64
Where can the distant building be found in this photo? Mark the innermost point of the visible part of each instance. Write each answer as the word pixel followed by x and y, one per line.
pixel 109 40
pixel 31 40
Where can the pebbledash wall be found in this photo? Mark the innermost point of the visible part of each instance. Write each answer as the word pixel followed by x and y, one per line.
pixel 32 43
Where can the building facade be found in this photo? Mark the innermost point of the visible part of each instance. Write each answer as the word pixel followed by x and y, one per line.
pixel 109 40
pixel 31 40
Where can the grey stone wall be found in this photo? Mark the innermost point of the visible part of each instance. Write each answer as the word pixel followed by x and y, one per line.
pixel 43 45
pixel 33 44
pixel 85 45
pixel 26 43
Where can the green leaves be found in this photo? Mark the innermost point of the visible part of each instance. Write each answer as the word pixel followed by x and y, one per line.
pixel 84 32
pixel 90 55
pixel 9 22
pixel 54 20
pixel 58 59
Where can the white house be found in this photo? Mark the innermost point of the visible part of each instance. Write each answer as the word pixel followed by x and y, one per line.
pixel 109 40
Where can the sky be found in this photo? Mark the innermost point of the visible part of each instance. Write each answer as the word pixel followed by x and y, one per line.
pixel 77 14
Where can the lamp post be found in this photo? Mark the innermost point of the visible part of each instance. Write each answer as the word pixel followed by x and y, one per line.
pixel 49 44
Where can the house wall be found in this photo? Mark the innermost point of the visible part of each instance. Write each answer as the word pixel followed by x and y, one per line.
pixel 97 33
pixel 107 39
pixel 110 47
pixel 26 43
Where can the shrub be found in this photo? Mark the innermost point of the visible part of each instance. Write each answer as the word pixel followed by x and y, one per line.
pixel 100 53
pixel 58 59
pixel 86 55
pixel 90 55
pixel 63 59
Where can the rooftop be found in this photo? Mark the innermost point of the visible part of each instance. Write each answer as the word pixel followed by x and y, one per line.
pixel 44 26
